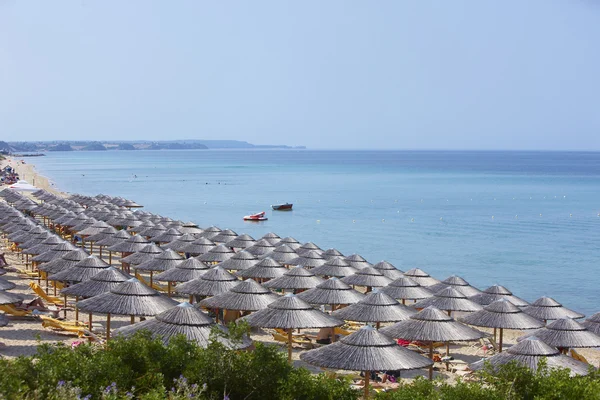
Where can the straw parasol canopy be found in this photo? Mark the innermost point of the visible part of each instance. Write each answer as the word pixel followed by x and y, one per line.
pixel 272 238
pixel 180 242
pixel 546 308
pixel 131 245
pixel 189 269
pixel 104 281
pixel 81 271
pixel 330 253
pixel 66 261
pixel 9 298
pixel 241 260
pixel 6 284
pixel 529 353
pixel 366 350
pixel 457 283
pixel 215 281
pixel 290 241
pixel 289 312
pixel 141 227
pixel 565 333
pixel 388 270
pixel 106 232
pixel 296 278
pixel 375 307
pixel 190 227
pixel 153 231
pixel 497 292
pixel 183 319
pixel 44 246
pixel 593 323
pixel 369 277
pixel 263 246
pixel 449 299
pixel 421 277
pixel 217 254
pixel 267 268
pixel 307 247
pixel 147 253
pixel 333 292
pixel 241 242
pixel 55 252
pixel 161 262
pixel 93 229
pixel 307 259
pixel 357 261
pixel 224 236
pixel 167 236
pixel 245 296
pixel 199 246
pixel 118 237
pixel 283 254
pixel 406 289
pixel 335 266
pixel 502 314
pixel 210 232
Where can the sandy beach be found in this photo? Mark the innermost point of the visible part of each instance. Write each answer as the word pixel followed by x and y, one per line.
pixel 23 335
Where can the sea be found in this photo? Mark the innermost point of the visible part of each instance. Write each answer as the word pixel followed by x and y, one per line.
pixel 527 220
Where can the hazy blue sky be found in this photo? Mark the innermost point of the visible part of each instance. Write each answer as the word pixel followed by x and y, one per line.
pixel 328 74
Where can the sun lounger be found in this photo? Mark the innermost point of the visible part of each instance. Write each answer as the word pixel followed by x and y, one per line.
pixel 56 325
pixel 63 322
pixel 154 286
pixel 14 311
pixel 578 356
pixel 92 337
pixel 37 289
pixel 30 274
pixel 304 342
pixel 341 331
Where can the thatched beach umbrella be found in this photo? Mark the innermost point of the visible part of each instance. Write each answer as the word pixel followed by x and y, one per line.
pixel 335 266
pixel 497 292
pixel 593 323
pixel 529 353
pixel 129 246
pixel 199 246
pixel 210 232
pixel 191 228
pixel 180 242
pixel 161 262
pixel 368 277
pixel 366 350
pixel 282 253
pixel 247 295
pixel 240 242
pixel 357 261
pixel 128 298
pixel 290 241
pixel 289 313
pixel 307 259
pixel 296 278
pixel 546 308
pixel 565 333
pixel 307 247
pixel 457 283
pixel 332 292
pixel 421 277
pixel 224 236
pixel 217 254
pixel 111 240
pixel 502 314
pixel 81 271
pixel 388 270
pixel 153 231
pixel 9 298
pixel 6 284
pixel 448 299
pixel 146 224
pixel 189 269
pixel 265 269
pixel 272 238
pixel 215 281
pixel 43 247
pixel 375 307
pixel 239 261
pixel 93 229
pixel 432 325
pixel 330 253
pixel 263 246
pixel 183 319
pixel 57 251
pixel 66 261
pixel 147 253
pixel 167 236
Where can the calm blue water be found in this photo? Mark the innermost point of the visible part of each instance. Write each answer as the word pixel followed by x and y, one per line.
pixel 526 220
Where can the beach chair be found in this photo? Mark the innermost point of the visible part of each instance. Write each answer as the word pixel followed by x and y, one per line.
pixel 14 311
pixel 283 332
pixel 37 289
pixel 29 274
pixel 578 356
pixel 305 343
pixel 58 326
pixel 154 285
pixel 341 331
pixel 63 322
pixel 92 337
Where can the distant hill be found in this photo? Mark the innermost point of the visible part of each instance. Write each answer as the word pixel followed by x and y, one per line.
pixel 125 146
pixel 60 147
pixel 94 147
pixel 5 148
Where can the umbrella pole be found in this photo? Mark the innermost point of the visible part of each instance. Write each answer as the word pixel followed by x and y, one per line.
pixel 151 273
pixel 91 247
pixel 290 345
pixel 65 308
pixel 76 308
pixel 169 288
pixel 377 325
pixel 495 339
pixel 110 257
pixel 107 327
pixel 132 319
pixel 431 358
pixel 191 299
pixel 367 377
pixel 100 251
pixel 90 321
pixel 403 302
pixel 500 341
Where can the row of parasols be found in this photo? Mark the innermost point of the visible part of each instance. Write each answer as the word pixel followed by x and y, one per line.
pixel 265 261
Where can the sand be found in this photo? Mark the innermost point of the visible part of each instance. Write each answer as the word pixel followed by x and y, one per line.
pixel 23 335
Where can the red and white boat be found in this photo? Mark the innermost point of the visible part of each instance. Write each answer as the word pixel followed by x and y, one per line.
pixel 256 217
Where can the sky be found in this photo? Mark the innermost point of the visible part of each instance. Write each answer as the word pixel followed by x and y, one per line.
pixel 326 74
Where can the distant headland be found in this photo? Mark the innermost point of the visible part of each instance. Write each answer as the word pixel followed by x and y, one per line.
pixel 128 145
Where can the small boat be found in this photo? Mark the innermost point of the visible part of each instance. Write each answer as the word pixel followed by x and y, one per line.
pixel 256 217
pixel 282 207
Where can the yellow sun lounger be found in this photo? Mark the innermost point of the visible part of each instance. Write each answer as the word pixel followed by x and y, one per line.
pixel 56 325
pixel 14 311
pixel 295 340
pixel 155 286
pixel 63 322
pixel 32 274
pixel 37 289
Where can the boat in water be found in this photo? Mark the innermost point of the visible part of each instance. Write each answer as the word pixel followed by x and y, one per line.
pixel 256 217
pixel 282 207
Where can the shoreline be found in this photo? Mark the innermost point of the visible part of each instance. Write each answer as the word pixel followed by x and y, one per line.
pixel 27 172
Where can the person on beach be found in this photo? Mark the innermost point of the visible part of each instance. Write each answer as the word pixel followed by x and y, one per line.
pixel 35 305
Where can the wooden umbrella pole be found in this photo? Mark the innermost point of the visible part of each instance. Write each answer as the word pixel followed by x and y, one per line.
pixel 169 288
pixel 377 324
pixel 132 319
pixel 431 358
pixel 495 339
pixel 110 257
pixel 107 327
pixel 290 345
pixel 151 274
pixel 91 247
pixel 403 301
pixel 65 308
pixel 191 299
pixel 100 251
pixel 500 341
pixel 367 378
pixel 90 321
pixel 76 308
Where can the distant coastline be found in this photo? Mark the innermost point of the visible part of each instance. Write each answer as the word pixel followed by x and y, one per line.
pixel 130 145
